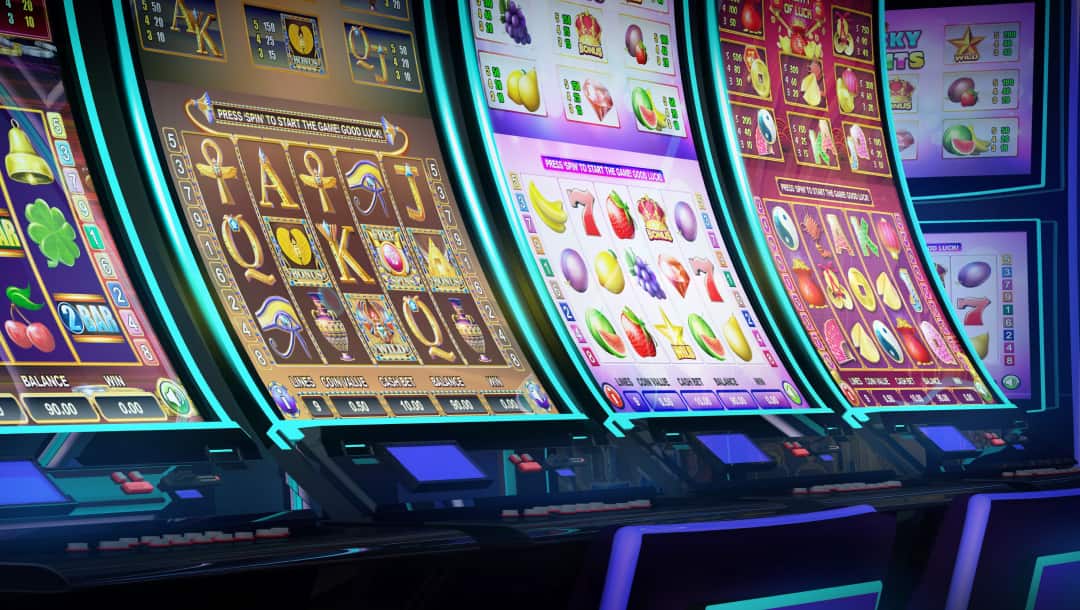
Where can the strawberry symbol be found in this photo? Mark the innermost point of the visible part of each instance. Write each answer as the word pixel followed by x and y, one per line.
pixel 637 334
pixel 619 215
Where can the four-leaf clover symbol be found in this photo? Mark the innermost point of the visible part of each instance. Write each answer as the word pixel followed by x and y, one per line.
pixel 53 234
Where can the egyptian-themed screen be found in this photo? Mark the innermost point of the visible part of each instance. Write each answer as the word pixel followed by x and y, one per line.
pixel 961 85
pixel 986 275
pixel 76 344
pixel 804 96
pixel 593 138
pixel 306 164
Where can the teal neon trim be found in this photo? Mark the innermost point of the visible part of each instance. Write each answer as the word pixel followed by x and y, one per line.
pixel 1042 174
pixel 272 516
pixel 1040 309
pixel 509 474
pixel 283 433
pixel 918 240
pixel 854 416
pixel 496 269
pixel 1055 338
pixel 99 427
pixel 780 602
pixel 49 453
pixel 156 297
pixel 720 210
pixel 1041 563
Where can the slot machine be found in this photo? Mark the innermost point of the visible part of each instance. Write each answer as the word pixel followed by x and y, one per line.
pixel 113 437
pixel 598 180
pixel 825 210
pixel 312 219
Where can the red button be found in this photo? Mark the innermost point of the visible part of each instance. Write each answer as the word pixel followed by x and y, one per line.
pixel 530 467
pixel 137 487
pixel 997 442
pixel 800 452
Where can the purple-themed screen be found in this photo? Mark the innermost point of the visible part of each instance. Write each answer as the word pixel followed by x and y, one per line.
pixel 987 280
pixel 961 83
pixel 593 139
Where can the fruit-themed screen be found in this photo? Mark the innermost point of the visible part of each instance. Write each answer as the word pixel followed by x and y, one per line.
pixel 962 88
pixel 804 99
pixel 593 140
pixel 76 345
pixel 987 279
pixel 305 161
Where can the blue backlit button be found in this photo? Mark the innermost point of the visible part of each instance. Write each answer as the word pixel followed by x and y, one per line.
pixel 129 407
pixel 358 406
pixel 886 398
pixel 10 411
pixel 317 406
pixel 736 399
pixel 635 401
pixel 665 401
pixel 613 397
pixel 701 400
pixel 461 405
pixel 771 399
pixel 914 397
pixel 411 405
pixel 968 396
pixel 942 397
pixel 792 393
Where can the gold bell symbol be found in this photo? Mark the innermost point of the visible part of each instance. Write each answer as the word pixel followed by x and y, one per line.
pixel 23 163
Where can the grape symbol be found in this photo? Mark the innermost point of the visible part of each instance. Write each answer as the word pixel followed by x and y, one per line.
pixel 514 19
pixel 646 277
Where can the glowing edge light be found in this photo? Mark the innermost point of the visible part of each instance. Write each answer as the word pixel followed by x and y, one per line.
pixel 854 416
pixel 790 600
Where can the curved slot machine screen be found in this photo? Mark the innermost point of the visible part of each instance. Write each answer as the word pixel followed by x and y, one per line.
pixel 305 162
pixel 804 111
pixel 76 343
pixel 593 140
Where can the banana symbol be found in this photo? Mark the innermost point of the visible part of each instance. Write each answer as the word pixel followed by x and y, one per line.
pixel 551 212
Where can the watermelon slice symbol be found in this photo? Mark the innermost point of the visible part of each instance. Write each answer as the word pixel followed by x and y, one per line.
pixel 637 334
pixel 603 333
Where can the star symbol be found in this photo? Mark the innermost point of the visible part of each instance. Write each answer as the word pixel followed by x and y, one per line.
pixel 673 333
pixel 967 46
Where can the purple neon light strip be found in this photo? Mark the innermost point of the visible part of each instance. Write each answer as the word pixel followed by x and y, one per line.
pixel 971 540
pixel 626 545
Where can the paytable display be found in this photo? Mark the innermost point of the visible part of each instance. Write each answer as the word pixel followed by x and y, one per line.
pixel 306 164
pixel 961 86
pixel 806 103
pixel 986 279
pixel 76 344
pixel 594 142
